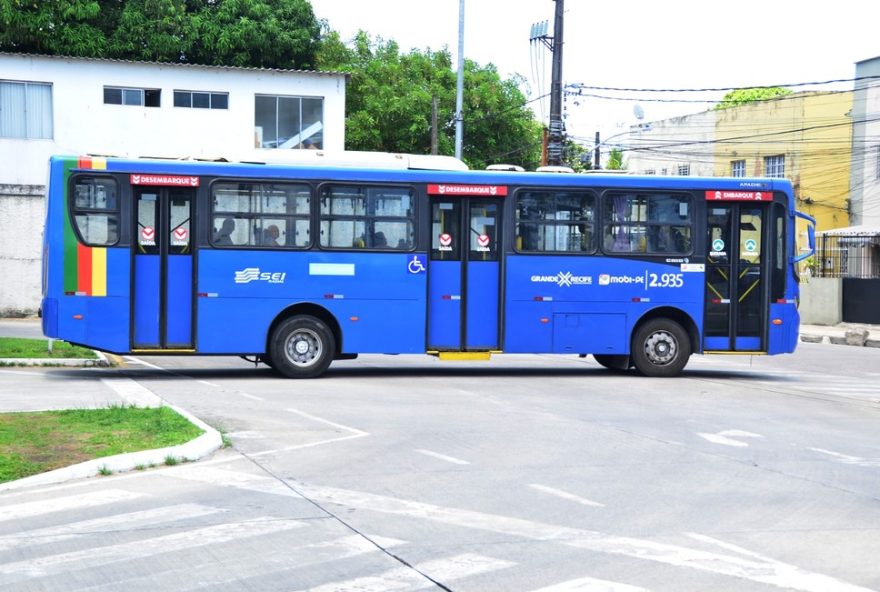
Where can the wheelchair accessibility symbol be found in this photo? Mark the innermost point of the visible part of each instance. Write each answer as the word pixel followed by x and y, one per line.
pixel 417 264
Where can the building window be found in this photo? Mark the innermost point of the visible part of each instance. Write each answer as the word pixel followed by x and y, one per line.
pixel 289 122
pixel 774 166
pixel 650 171
pixel 684 170
pixel 25 110
pixel 737 168
pixel 201 100
pixel 139 97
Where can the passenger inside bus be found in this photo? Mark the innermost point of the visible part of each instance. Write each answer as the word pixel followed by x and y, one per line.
pixel 379 240
pixel 223 236
pixel 270 237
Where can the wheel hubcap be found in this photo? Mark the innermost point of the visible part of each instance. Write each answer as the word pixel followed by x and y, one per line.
pixel 661 348
pixel 304 347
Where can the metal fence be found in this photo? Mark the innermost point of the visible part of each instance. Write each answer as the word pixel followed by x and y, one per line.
pixel 852 256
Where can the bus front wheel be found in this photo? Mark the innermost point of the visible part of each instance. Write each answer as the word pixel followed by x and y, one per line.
pixel 302 347
pixel 660 347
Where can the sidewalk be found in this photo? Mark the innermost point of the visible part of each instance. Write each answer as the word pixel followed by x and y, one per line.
pixel 842 334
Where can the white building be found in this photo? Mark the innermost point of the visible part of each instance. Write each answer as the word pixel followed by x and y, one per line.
pixel 58 105
pixel 865 172
pixel 680 146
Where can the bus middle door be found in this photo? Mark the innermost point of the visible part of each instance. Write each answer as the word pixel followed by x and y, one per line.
pixel 464 275
pixel 737 305
pixel 162 302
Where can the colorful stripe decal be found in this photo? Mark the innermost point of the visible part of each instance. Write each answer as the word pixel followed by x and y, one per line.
pixel 85 268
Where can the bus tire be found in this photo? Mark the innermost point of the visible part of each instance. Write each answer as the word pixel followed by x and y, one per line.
pixel 613 362
pixel 302 347
pixel 660 348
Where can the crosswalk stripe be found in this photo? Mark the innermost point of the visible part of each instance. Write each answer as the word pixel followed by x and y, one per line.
pixel 60 504
pixel 591 585
pixel 129 521
pixel 406 578
pixel 140 549
pixel 236 479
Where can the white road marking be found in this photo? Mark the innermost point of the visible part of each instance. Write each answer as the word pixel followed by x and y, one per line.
pixel 353 433
pixel 849 460
pixel 566 496
pixel 142 549
pixel 135 360
pixel 437 455
pixel 61 504
pixel 132 392
pixel 727 437
pixel 21 372
pixel 247 396
pixel 591 585
pixel 209 383
pixel 247 435
pixel 245 481
pixel 130 521
pixel 405 578
pixel 773 573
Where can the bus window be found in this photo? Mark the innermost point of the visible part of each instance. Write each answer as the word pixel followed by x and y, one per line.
pixel 555 221
pixel 96 210
pixel 363 217
pixel 652 223
pixel 261 215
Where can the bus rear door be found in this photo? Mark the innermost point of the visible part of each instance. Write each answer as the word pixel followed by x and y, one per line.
pixel 737 273
pixel 162 303
pixel 464 270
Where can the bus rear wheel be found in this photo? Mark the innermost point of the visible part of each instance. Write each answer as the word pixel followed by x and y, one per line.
pixel 302 347
pixel 661 348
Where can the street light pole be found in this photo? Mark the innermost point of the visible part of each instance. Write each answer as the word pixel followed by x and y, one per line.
pixel 459 95
pixel 554 148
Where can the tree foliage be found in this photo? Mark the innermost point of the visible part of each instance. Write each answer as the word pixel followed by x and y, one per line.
pixel 259 33
pixel 615 160
pixel 389 103
pixel 743 96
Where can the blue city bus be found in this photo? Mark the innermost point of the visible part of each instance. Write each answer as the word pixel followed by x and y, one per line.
pixel 303 263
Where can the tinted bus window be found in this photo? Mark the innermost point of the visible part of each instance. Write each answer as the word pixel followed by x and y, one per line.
pixel 555 221
pixel 358 217
pixel 652 223
pixel 96 210
pixel 270 215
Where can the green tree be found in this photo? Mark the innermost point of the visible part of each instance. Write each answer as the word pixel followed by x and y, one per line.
pixel 390 95
pixel 577 156
pixel 743 96
pixel 255 33
pixel 615 160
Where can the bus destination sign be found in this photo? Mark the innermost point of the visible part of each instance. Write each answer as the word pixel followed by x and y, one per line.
pixel 726 195
pixel 468 190
pixel 165 180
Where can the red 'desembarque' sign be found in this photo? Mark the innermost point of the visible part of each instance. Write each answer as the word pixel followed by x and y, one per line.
pixel 728 195
pixel 165 180
pixel 480 190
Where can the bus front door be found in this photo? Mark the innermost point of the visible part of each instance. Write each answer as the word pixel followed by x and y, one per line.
pixel 464 275
pixel 737 294
pixel 162 290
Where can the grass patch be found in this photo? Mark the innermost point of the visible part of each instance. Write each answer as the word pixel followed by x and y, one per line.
pixel 19 347
pixel 32 443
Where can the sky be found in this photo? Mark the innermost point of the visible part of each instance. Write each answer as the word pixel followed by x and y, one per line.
pixel 639 44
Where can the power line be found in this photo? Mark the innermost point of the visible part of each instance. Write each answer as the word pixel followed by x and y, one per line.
pixel 721 89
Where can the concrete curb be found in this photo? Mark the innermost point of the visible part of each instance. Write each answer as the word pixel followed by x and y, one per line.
pixel 204 445
pixel 102 362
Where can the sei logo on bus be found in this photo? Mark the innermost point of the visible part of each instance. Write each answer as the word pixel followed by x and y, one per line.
pixel 253 274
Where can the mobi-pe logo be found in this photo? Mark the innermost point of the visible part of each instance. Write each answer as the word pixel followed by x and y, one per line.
pixel 253 274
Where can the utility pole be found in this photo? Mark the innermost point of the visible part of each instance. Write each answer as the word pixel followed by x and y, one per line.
pixel 597 165
pixel 459 95
pixel 557 127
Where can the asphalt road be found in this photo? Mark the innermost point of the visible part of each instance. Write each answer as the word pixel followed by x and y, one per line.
pixel 532 473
